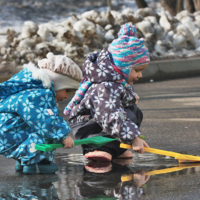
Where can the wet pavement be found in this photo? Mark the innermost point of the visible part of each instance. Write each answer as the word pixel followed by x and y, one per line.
pixel 171 122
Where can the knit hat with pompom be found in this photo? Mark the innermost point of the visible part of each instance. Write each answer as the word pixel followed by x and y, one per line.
pixel 127 51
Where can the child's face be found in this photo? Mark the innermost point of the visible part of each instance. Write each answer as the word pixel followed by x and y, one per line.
pixel 61 95
pixel 136 73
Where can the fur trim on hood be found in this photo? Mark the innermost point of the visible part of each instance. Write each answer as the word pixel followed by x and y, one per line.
pixel 38 74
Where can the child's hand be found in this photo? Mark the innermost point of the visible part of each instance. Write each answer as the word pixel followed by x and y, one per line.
pixel 138 145
pixel 137 99
pixel 68 143
pixel 140 178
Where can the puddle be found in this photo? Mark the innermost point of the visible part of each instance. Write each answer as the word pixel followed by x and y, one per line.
pixel 146 176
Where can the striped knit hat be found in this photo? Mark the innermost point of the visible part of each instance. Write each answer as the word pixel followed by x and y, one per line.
pixel 127 51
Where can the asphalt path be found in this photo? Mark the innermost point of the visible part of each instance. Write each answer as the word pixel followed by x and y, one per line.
pixel 171 122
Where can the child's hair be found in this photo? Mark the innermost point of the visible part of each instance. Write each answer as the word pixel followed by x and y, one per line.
pixel 127 51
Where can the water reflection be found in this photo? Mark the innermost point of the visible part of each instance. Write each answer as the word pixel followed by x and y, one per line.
pixel 103 180
pixel 31 187
pixel 122 179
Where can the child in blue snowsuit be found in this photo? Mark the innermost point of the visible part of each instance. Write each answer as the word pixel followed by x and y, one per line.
pixel 29 114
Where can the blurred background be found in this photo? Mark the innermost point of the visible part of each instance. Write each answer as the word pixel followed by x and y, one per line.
pixel 29 29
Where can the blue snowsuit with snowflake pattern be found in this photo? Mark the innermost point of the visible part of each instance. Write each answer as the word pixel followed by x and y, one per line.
pixel 25 120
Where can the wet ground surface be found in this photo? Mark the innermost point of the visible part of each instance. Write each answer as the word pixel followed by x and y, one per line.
pixel 171 122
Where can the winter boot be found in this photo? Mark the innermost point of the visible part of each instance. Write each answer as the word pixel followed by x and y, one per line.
pixel 40 168
pixel 18 166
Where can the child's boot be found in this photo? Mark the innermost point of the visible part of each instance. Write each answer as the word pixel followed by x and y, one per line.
pixel 18 166
pixel 98 167
pixel 40 168
pixel 99 156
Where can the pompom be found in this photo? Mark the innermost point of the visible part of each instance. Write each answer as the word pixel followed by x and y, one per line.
pixel 50 55
pixel 127 29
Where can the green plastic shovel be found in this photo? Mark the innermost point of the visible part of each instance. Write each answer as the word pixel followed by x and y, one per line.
pixel 94 141
pixel 97 141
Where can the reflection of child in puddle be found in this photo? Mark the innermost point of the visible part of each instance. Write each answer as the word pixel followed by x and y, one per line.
pixel 29 188
pixel 101 179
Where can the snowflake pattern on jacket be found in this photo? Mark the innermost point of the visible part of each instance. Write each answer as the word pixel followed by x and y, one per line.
pixel 105 100
pixel 25 121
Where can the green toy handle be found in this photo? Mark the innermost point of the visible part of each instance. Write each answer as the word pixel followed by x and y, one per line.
pixel 82 141
pixel 96 141
pixel 60 145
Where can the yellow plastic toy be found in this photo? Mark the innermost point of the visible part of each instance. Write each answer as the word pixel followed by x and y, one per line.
pixel 129 177
pixel 182 158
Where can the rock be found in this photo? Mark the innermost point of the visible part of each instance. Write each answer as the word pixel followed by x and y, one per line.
pixel 74 52
pixel 95 17
pixel 160 48
pixel 11 34
pixel 24 52
pixel 119 17
pixel 90 15
pixel 144 12
pixel 170 35
pixel 183 14
pixel 164 21
pixel 98 40
pixel 179 40
pixel 42 49
pixel 70 36
pixel 159 32
pixel 128 11
pixel 196 13
pixel 108 27
pixel 27 43
pixel 3 50
pixel 198 49
pixel 197 23
pixel 70 21
pixel 188 22
pixel 108 16
pixel 29 29
pixel 131 16
pixel 42 45
pixel 86 50
pixel 82 25
pixel 101 21
pixel 109 36
pixel 151 19
pixel 30 57
pixel 59 45
pixel 3 63
pixel 145 27
pixel 182 29
pixel 5 56
pixel 23 61
pixel 4 42
pixel 197 18
pixel 45 33
pixel 52 28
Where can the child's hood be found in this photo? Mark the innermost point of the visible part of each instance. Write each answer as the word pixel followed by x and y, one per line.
pixel 98 68
pixel 29 78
